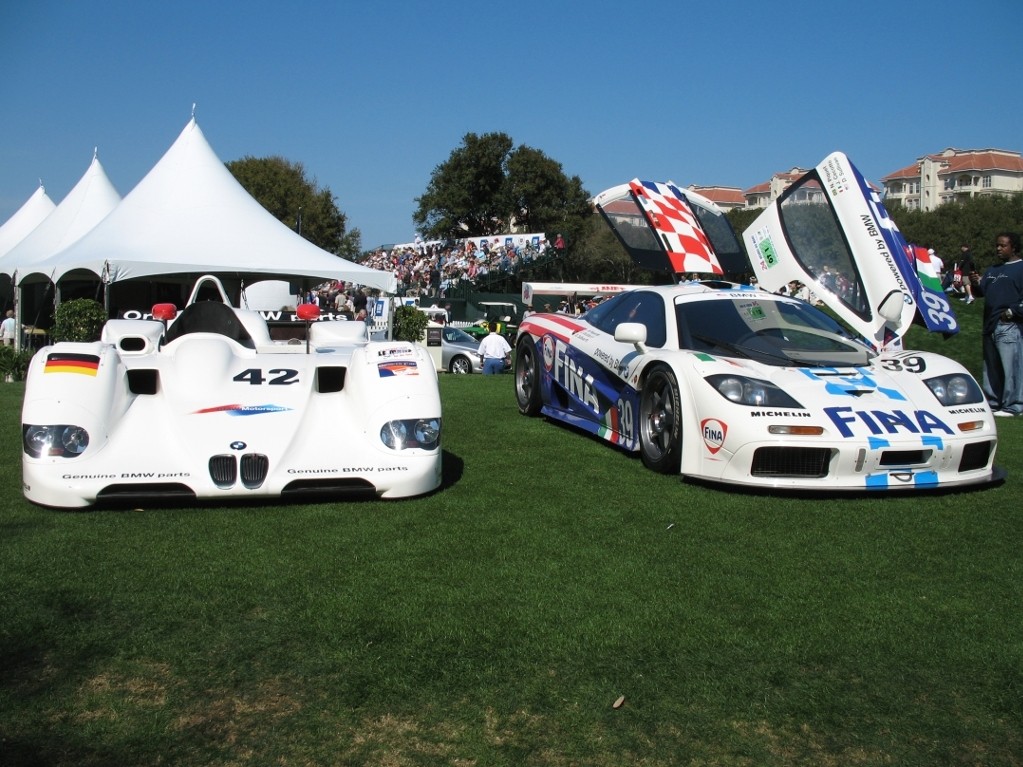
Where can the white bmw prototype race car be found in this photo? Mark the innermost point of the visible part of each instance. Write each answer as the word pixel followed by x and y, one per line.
pixel 209 407
pixel 733 383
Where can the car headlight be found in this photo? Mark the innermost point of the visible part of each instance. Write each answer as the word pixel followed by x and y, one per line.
pixel 423 433
pixel 751 391
pixel 66 440
pixel 955 389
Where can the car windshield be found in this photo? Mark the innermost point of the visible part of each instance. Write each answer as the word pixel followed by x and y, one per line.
pixel 768 329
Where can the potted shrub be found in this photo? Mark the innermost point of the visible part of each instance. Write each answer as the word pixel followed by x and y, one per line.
pixel 409 324
pixel 81 319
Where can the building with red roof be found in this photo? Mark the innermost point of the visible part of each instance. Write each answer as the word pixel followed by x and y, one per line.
pixel 955 174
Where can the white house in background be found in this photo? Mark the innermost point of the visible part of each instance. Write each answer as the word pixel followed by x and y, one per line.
pixel 955 174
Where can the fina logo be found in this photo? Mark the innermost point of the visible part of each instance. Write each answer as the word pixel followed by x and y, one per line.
pixel 548 352
pixel 714 432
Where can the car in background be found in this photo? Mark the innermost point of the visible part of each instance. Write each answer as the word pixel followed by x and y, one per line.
pixel 459 352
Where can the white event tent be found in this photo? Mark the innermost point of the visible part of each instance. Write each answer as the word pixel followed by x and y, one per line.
pixel 188 217
pixel 26 218
pixel 91 200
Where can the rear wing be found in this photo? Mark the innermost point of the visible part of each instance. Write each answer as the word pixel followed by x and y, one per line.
pixel 567 289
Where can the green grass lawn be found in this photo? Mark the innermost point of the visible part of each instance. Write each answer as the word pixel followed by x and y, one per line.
pixel 497 621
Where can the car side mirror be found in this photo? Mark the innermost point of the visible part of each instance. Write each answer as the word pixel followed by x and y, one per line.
pixel 891 307
pixel 631 333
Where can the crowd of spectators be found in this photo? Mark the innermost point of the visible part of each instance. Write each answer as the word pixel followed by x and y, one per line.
pixel 431 269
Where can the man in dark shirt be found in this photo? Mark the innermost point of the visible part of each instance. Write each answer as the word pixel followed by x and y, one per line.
pixel 1002 287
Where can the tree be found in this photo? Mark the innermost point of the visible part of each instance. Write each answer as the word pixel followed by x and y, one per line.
pixel 284 190
pixel 975 221
pixel 599 257
pixel 488 187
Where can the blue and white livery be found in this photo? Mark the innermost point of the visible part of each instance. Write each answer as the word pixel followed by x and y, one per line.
pixel 733 383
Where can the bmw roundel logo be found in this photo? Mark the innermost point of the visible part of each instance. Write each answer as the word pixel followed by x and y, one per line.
pixel 238 445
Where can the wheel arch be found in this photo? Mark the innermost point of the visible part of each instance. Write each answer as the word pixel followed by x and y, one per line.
pixel 691 410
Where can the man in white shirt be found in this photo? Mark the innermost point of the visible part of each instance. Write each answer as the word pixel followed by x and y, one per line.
pixel 493 351
pixel 9 328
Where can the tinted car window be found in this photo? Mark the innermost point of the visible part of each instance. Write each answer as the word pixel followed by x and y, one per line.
pixel 636 306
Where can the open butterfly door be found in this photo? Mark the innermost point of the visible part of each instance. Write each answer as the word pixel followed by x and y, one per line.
pixel 830 232
pixel 670 230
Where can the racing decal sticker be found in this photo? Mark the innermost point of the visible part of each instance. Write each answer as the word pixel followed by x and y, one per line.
pixel 396 351
pixel 236 410
pixel 878 422
pixel 609 428
pixel 753 311
pixel 548 352
pixel 764 248
pixel 65 362
pixel 714 433
pixel 570 374
pixel 397 368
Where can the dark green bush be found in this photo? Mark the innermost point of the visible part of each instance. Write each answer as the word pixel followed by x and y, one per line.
pixel 13 365
pixel 81 319
pixel 409 324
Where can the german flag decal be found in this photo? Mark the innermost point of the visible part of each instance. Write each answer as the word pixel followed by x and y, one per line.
pixel 62 362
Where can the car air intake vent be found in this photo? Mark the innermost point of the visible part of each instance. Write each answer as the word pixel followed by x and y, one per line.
pixel 791 462
pixel 254 469
pixel 143 381
pixel 223 470
pixel 905 457
pixel 330 379
pixel 975 456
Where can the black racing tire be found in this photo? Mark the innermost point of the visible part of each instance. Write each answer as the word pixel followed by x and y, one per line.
pixel 460 365
pixel 527 377
pixel 660 421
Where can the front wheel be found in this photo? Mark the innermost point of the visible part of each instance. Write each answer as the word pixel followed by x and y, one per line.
pixel 460 366
pixel 660 422
pixel 527 377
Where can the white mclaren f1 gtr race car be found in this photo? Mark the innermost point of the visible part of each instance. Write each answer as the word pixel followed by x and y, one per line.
pixel 202 404
pixel 755 385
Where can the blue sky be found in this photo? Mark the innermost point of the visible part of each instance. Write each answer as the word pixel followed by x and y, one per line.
pixel 371 97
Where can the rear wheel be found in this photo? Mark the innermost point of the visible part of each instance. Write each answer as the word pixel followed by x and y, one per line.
pixel 527 377
pixel 660 422
pixel 460 365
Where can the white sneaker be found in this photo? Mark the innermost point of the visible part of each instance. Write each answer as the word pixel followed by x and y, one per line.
pixel 970 300
pixel 1005 414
